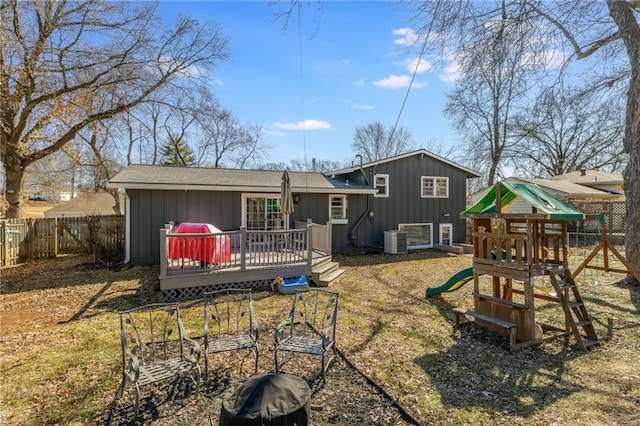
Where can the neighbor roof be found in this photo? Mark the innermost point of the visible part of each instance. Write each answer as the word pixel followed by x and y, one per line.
pixel 543 202
pixel 470 173
pixel 591 177
pixel 86 203
pixel 207 179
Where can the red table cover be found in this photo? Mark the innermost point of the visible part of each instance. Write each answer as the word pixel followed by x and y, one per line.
pixel 210 249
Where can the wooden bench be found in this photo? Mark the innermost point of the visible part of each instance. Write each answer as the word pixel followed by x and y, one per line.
pixel 509 326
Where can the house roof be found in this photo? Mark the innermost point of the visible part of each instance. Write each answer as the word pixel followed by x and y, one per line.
pixel 85 204
pixel 591 177
pixel 208 179
pixel 543 202
pixel 469 172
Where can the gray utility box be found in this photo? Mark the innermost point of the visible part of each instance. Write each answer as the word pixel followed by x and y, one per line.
pixel 395 242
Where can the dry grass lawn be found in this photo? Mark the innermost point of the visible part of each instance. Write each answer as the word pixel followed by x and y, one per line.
pixel 60 358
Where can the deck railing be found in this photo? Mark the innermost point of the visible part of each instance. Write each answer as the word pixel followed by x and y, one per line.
pixel 233 250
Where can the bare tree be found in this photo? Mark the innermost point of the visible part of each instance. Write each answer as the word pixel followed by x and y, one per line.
pixel 608 30
pixel 595 28
pixel 497 64
pixel 223 139
pixel 374 141
pixel 568 130
pixel 58 58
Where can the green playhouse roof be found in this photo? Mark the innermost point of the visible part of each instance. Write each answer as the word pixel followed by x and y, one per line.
pixel 542 201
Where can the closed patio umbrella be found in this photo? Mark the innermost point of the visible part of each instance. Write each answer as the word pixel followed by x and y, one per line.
pixel 286 198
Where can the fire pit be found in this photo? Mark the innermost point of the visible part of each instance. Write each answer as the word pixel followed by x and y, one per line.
pixel 269 400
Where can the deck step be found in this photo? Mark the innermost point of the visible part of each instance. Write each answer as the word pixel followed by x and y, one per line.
pixel 328 278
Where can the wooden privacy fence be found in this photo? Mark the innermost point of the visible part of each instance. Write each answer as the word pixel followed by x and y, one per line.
pixel 22 239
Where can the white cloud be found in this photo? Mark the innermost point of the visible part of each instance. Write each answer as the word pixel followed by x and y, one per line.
pixel 345 61
pixel 357 106
pixel 305 125
pixel 274 133
pixel 360 82
pixel 423 65
pixel 408 37
pixel 398 82
pixel 452 73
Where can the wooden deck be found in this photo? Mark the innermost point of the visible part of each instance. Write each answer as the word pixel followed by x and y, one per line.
pixel 191 264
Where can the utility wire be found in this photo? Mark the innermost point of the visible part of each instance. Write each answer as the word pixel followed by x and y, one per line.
pixel 413 76
pixel 304 124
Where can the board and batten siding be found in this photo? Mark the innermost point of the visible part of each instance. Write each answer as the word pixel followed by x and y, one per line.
pixel 405 204
pixel 150 210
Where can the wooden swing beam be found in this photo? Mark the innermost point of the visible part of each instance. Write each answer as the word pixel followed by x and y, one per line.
pixel 606 247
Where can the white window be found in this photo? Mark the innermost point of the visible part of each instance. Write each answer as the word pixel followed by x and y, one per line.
pixel 381 183
pixel 419 235
pixel 435 187
pixel 338 209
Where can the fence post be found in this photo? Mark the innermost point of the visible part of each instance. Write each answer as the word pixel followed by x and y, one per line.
pixel 5 243
pixel 243 250
pixel 55 237
pixel 32 237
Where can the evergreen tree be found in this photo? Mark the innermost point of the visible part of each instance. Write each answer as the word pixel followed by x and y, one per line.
pixel 176 152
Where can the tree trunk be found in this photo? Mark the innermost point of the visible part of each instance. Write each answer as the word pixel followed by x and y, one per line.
pixel 14 179
pixel 629 29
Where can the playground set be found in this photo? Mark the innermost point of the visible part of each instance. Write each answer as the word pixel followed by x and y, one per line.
pixel 532 245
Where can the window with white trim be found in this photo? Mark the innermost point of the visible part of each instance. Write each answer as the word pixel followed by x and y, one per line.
pixel 434 187
pixel 419 235
pixel 338 209
pixel 381 183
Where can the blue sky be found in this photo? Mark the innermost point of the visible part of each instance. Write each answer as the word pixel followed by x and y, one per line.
pixel 347 67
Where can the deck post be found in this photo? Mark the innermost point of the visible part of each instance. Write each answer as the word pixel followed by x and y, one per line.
pixel 243 248
pixel 329 238
pixel 163 250
pixel 309 241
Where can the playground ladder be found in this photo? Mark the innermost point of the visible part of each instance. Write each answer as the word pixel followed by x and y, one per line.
pixel 574 309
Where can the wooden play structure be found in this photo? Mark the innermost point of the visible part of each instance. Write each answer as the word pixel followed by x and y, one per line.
pixel 530 242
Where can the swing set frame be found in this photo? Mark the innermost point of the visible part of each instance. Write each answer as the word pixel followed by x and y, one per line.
pixel 605 246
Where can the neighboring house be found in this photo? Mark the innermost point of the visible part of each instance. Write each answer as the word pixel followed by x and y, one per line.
pixel 612 183
pixel 419 192
pixel 86 204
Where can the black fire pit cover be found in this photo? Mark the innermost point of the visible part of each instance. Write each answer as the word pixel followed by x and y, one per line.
pixel 270 399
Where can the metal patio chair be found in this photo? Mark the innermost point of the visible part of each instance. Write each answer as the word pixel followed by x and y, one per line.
pixel 229 324
pixel 310 327
pixel 155 348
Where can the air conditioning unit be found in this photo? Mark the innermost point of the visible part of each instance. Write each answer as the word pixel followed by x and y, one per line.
pixel 395 242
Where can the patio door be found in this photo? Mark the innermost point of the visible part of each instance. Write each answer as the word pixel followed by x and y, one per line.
pixel 446 232
pixel 262 212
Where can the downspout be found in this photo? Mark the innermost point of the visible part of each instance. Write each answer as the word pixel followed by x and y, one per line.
pixel 352 233
pixel 127 226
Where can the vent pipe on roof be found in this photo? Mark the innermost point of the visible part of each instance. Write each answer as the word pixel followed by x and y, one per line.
pixel 313 165
pixel 583 172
